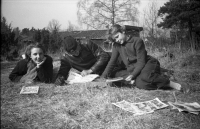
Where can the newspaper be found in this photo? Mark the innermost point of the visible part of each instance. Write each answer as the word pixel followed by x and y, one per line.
pixel 77 78
pixel 29 90
pixel 193 108
pixel 141 107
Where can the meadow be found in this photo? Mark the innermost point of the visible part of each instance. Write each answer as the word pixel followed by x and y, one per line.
pixel 89 105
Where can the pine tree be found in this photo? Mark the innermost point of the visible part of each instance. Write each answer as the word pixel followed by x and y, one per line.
pixel 182 14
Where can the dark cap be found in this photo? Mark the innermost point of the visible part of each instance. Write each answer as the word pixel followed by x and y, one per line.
pixel 69 43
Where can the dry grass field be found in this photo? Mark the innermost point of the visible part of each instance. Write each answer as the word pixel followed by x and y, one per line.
pixel 89 106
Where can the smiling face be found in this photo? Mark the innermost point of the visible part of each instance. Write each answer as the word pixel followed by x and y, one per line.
pixel 119 37
pixel 37 55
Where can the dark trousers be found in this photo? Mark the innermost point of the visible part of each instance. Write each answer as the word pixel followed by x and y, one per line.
pixel 150 77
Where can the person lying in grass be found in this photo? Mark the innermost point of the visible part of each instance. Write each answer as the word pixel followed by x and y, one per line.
pixel 141 68
pixel 86 57
pixel 35 67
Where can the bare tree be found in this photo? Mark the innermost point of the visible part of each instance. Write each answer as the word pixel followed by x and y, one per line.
pixel 99 14
pixel 53 26
pixel 151 19
pixel 71 27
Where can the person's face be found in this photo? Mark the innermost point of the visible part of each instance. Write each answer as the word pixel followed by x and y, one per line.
pixel 37 55
pixel 74 52
pixel 119 37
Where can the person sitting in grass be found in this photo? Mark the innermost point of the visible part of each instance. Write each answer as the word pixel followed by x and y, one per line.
pixel 142 69
pixel 86 57
pixel 35 67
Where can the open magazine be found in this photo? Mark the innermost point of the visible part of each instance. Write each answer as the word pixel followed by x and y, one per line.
pixel 141 107
pixel 75 77
pixel 193 108
pixel 114 79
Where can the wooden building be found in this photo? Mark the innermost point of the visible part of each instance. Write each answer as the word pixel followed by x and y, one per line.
pixel 99 36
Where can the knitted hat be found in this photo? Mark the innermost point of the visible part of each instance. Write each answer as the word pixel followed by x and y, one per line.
pixel 69 43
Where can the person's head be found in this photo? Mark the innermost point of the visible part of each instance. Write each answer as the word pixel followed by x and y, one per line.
pixel 71 46
pixel 35 52
pixel 117 34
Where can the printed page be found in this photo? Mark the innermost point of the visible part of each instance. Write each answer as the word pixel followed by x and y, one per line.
pixel 77 78
pixel 73 76
pixel 29 90
pixel 127 106
pixel 141 107
pixel 157 103
pixel 144 107
pixel 114 79
pixel 189 107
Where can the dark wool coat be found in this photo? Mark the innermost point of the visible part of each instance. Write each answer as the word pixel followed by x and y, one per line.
pixel 144 68
pixel 44 73
pixel 91 57
pixel 133 55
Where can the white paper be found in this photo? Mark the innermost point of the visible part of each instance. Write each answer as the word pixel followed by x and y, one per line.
pixel 29 90
pixel 189 107
pixel 141 107
pixel 158 103
pixel 77 78
pixel 114 79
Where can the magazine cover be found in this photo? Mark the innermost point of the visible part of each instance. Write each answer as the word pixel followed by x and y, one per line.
pixel 141 107
pixel 29 90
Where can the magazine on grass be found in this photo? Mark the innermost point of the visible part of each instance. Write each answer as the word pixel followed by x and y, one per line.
pixel 29 90
pixel 141 107
pixel 187 107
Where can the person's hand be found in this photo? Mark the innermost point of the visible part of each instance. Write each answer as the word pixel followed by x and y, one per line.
pixel 40 63
pixel 86 72
pixel 129 78
pixel 59 81
pixel 132 82
pixel 29 76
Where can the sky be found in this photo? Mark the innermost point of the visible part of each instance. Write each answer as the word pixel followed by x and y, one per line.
pixel 38 13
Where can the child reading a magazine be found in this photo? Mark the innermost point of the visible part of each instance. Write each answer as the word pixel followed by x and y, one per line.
pixel 35 67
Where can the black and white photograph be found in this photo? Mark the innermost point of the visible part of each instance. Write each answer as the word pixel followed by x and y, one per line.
pixel 100 64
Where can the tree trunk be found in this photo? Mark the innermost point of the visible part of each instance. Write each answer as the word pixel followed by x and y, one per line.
pixel 191 36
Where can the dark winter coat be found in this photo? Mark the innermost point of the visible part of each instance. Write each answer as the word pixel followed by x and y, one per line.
pixel 91 57
pixel 133 55
pixel 43 74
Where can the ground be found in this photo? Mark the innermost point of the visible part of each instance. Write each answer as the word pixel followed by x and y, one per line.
pixel 89 106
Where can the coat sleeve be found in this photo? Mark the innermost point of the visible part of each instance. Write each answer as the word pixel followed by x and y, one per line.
pixel 19 70
pixel 141 58
pixel 101 56
pixel 45 73
pixel 64 68
pixel 111 63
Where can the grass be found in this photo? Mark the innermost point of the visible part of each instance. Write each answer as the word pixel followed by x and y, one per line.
pixel 89 106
